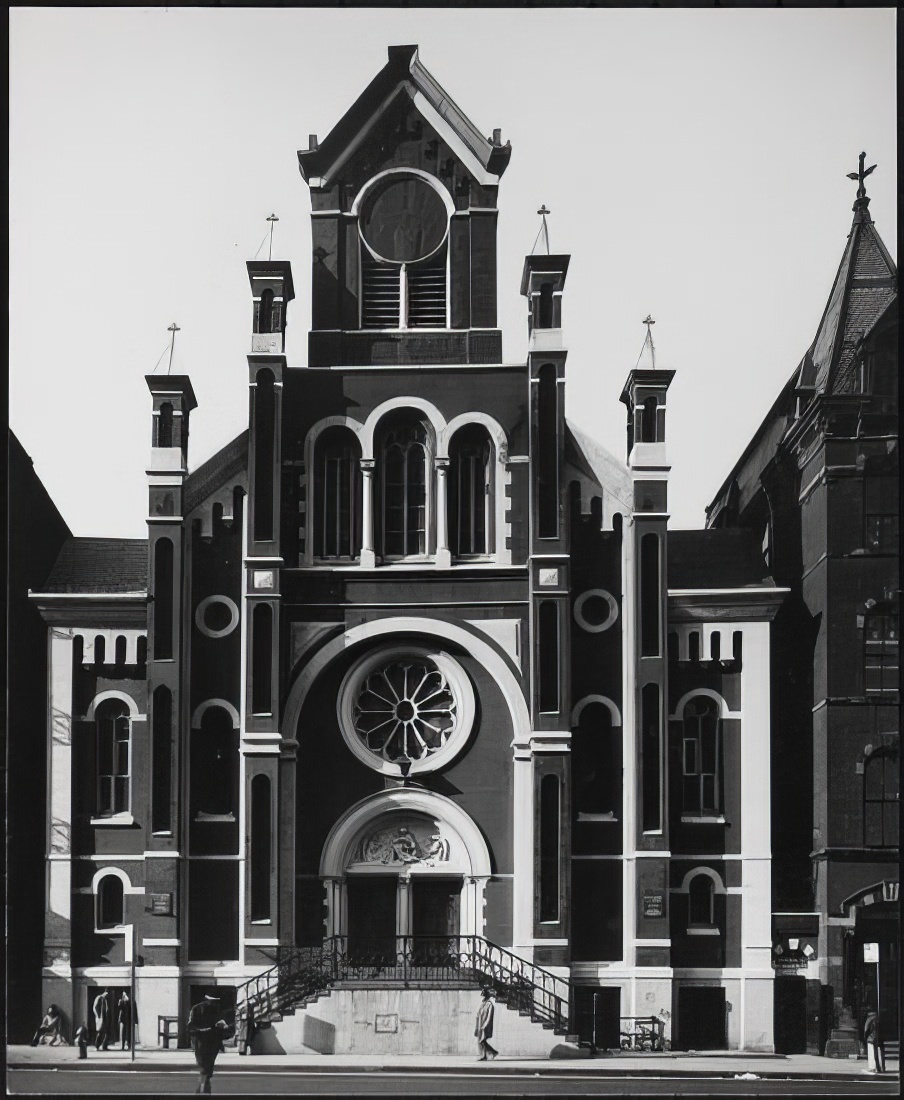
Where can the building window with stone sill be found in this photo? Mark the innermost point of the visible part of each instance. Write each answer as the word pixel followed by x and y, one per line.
pixel 109 904
pixel 881 795
pixel 336 518
pixel 701 907
pixel 881 655
pixel 701 760
pixel 113 732
pixel 406 491
pixel 470 507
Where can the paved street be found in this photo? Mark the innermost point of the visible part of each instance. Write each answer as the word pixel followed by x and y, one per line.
pixel 56 1071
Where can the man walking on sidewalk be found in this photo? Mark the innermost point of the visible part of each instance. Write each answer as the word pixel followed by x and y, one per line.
pixel 206 1031
pixel 875 1049
pixel 484 1028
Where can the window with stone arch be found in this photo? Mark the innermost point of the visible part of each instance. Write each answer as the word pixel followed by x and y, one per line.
pixel 113 737
pixel 701 902
pixel 881 796
pixel 701 758
pixel 406 449
pixel 336 511
pixel 214 767
pixel 471 503
pixel 110 902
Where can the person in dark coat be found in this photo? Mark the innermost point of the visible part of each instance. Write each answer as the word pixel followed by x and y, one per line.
pixel 484 1028
pixel 875 1048
pixel 103 1022
pixel 124 1012
pixel 207 1030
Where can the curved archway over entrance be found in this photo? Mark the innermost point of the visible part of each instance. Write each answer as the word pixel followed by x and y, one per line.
pixel 413 863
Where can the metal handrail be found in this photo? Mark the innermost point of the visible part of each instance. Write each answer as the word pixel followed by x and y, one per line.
pixel 300 974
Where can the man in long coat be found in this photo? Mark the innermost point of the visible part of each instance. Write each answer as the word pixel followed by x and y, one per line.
pixel 206 1030
pixel 103 1022
pixel 484 1028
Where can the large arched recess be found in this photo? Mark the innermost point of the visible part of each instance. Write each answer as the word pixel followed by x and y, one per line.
pixel 497 665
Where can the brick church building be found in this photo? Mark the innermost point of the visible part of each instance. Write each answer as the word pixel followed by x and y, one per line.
pixel 410 688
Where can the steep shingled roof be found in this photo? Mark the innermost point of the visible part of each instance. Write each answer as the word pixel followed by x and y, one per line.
pixel 864 287
pixel 100 566
pixel 403 70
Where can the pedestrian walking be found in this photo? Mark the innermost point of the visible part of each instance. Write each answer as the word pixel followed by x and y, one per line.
pixel 50 1029
pixel 125 1010
pixel 484 1028
pixel 103 1020
pixel 207 1030
pixel 875 1048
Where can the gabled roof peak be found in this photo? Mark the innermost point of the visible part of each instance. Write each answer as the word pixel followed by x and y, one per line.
pixel 403 71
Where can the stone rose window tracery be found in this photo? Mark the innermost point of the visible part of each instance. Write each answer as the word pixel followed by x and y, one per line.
pixel 405 709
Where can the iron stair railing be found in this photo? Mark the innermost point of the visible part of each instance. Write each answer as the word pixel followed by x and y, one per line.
pixel 301 974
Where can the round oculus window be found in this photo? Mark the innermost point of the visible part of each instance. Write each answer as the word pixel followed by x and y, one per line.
pixel 216 616
pixel 403 219
pixel 406 709
pixel 595 610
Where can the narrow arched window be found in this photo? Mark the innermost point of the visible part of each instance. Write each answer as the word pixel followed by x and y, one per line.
pixel 651 748
pixel 548 459
pixel 164 423
pixel 544 319
pixel 650 596
pixel 161 759
pixel 163 599
pixel 648 431
pixel 261 659
pixel 337 496
pixel 405 452
pixel 261 847
pixel 264 440
pixel 596 763
pixel 470 493
pixel 881 795
pixel 548 657
pixel 110 902
pixel 701 902
pixel 113 730
pixel 263 313
pixel 701 758
pixel 214 767
pixel 550 848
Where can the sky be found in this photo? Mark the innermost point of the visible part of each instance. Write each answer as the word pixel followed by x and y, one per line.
pixel 694 162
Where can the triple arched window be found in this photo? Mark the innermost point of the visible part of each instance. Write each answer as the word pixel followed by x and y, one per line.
pixel 406 503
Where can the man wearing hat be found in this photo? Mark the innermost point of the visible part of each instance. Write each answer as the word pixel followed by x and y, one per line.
pixel 206 1029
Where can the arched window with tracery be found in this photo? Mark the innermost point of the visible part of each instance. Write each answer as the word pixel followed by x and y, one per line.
pixel 337 496
pixel 406 459
pixel 113 729
pixel 471 493
pixel 701 758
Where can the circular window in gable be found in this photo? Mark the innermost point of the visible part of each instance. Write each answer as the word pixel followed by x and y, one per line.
pixel 403 218
pixel 406 709
pixel 216 616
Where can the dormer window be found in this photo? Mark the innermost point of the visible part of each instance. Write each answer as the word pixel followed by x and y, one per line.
pixel 403 221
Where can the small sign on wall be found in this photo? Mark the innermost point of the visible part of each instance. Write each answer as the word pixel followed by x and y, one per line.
pixel 870 952
pixel 653 904
pixel 387 1024
pixel 162 904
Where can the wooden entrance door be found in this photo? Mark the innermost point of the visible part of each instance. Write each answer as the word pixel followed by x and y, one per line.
pixel 372 920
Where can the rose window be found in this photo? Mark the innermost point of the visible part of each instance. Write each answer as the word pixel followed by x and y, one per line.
pixel 404 710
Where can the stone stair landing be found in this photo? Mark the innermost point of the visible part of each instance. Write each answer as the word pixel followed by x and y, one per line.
pixel 389 1021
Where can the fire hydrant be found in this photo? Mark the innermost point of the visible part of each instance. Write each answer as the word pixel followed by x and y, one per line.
pixel 81 1041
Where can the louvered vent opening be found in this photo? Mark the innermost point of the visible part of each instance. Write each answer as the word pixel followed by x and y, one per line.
pixel 381 294
pixel 427 293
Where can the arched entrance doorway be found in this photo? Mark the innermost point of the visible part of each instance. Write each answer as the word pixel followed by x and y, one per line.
pixel 404 872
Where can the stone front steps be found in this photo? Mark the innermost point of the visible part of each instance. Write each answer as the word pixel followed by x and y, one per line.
pixel 391 1020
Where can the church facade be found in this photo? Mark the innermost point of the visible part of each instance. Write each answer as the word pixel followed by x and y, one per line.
pixel 410 687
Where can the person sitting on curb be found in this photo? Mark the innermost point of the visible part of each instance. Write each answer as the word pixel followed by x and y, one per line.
pixel 50 1032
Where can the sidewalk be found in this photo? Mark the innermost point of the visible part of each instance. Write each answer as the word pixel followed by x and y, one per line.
pixel 675 1064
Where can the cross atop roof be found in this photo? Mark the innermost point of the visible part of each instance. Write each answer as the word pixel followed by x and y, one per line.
pixel 860 175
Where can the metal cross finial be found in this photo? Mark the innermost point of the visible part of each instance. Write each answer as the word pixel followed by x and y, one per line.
pixel 174 328
pixel 860 175
pixel 272 219
pixel 544 229
pixel 649 322
pixel 543 210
